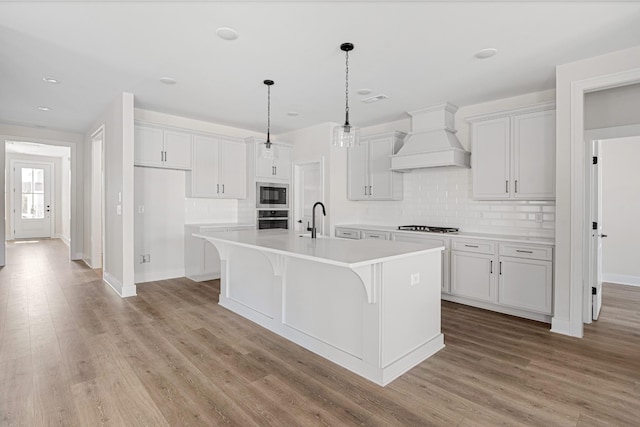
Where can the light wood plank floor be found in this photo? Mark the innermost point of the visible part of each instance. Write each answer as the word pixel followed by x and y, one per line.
pixel 73 353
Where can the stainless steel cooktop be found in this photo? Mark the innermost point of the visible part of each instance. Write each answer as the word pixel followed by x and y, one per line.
pixel 428 229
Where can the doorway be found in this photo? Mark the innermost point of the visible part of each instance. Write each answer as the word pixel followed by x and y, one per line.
pixel 31 208
pixel 613 203
pixel 309 189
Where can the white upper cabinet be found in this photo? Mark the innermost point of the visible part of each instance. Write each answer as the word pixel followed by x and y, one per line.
pixel 513 154
pixel 491 159
pixel 161 147
pixel 369 176
pixel 273 166
pixel 534 155
pixel 219 168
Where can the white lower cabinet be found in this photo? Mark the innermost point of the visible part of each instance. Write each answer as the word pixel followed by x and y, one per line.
pixel 472 275
pixel 201 258
pixel 525 284
pixel 505 276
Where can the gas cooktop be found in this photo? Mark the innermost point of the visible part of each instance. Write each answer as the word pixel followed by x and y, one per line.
pixel 428 229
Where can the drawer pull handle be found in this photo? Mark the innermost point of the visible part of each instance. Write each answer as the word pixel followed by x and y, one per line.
pixel 373 236
pixel 524 252
pixel 471 246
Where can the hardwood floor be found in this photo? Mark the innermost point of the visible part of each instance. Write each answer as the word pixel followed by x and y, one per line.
pixel 73 353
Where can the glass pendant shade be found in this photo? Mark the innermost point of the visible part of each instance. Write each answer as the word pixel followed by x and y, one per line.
pixel 346 136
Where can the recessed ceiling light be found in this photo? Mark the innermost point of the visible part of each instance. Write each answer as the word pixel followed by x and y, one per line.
pixel 486 53
pixel 43 108
pixel 168 80
pixel 50 80
pixel 293 113
pixel 364 91
pixel 227 33
pixel 374 98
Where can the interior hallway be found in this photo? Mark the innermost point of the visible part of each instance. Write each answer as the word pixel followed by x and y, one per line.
pixel 73 353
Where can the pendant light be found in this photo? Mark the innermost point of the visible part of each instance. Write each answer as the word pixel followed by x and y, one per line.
pixel 267 151
pixel 346 135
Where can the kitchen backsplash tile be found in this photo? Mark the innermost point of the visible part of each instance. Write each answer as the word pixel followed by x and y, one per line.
pixel 443 197
pixel 210 210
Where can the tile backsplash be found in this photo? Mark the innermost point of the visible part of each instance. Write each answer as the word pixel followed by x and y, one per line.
pixel 443 197
pixel 210 210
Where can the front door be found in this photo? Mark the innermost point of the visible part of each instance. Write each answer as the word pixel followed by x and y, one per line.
pixel 32 200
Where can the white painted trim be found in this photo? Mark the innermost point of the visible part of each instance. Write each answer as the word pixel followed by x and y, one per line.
pixel 159 275
pixel 579 287
pixel 543 106
pixel 122 291
pixel 62 237
pixel 621 279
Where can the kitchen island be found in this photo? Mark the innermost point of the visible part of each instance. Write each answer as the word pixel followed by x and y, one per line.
pixel 372 307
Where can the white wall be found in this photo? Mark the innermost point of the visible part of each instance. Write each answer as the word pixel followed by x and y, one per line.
pixel 569 290
pixel 621 210
pixel 619 106
pixel 443 196
pixel 65 200
pixel 118 266
pixel 51 137
pixel 57 174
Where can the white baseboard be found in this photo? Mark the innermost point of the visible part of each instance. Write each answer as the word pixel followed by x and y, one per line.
pixel 153 276
pixel 65 239
pixel 123 291
pixel 622 279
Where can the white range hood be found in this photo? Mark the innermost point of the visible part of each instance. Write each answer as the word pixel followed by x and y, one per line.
pixel 432 141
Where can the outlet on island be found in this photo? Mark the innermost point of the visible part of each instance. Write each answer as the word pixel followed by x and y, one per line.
pixel 415 279
pixel 145 258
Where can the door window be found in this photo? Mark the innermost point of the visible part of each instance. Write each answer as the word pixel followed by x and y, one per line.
pixel 32 193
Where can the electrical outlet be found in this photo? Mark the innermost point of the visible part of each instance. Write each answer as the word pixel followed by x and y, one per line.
pixel 140 209
pixel 145 258
pixel 538 217
pixel 415 279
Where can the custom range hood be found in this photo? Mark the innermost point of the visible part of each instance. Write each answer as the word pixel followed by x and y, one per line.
pixel 432 141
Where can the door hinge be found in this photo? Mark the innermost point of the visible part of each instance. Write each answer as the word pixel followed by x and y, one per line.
pixel 595 160
pixel 594 291
pixel 594 225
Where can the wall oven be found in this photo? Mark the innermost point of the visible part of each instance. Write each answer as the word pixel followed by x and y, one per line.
pixel 269 219
pixel 272 196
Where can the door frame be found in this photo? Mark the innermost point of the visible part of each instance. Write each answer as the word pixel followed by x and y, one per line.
pixel 97 197
pixel 591 137
pixel 12 202
pixel 296 181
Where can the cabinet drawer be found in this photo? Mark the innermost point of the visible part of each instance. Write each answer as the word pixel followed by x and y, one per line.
pixel 347 233
pixel 523 251
pixel 380 235
pixel 477 246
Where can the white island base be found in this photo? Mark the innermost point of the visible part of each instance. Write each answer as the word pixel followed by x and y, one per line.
pixel 372 307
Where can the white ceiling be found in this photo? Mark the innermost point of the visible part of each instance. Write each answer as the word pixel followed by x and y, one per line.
pixel 417 53
pixel 35 149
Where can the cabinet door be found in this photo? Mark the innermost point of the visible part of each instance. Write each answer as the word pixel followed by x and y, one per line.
pixel 233 170
pixel 380 175
pixel 525 283
pixel 148 146
pixel 357 181
pixel 534 155
pixel 490 159
pixel 202 180
pixel 282 163
pixel 264 162
pixel 177 147
pixel 472 275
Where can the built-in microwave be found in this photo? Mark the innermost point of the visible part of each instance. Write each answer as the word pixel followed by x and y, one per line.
pixel 272 196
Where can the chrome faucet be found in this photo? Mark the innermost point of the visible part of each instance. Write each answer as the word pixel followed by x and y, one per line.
pixel 313 218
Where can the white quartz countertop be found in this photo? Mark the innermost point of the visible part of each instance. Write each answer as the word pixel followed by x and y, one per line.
pixel 328 250
pixel 220 225
pixel 459 235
